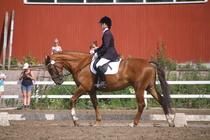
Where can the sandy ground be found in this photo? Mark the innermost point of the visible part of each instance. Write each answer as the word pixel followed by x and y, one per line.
pixel 108 130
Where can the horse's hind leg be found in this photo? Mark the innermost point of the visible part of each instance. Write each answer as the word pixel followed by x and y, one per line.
pixel 153 91
pixel 141 105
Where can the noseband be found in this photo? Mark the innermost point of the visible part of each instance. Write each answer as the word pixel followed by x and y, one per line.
pixel 60 76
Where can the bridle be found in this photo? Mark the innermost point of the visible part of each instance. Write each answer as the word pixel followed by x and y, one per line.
pixel 58 74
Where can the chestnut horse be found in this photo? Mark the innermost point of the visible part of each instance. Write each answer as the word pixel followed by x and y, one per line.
pixel 138 73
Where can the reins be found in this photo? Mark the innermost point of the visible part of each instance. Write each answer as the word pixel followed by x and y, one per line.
pixel 84 66
pixel 64 75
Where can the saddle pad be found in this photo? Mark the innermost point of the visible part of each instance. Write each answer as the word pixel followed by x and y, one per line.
pixel 112 68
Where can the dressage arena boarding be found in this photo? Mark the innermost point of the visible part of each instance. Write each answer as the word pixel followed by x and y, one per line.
pixel 57 124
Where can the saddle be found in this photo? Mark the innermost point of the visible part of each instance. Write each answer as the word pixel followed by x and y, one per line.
pixel 109 68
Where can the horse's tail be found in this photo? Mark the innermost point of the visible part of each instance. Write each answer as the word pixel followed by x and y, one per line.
pixel 164 86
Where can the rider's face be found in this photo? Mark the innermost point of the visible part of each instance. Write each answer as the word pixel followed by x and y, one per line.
pixel 103 26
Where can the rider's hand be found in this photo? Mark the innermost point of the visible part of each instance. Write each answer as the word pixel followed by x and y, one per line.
pixel 95 55
pixel 92 52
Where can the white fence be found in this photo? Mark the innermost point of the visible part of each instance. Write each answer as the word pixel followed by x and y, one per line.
pixel 107 96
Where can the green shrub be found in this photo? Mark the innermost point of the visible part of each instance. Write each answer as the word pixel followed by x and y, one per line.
pixel 162 59
pixel 14 61
pixel 30 59
pixel 11 102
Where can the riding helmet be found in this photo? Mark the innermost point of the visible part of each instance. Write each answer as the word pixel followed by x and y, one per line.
pixel 106 20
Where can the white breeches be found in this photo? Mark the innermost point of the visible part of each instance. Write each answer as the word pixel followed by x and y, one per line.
pixel 101 62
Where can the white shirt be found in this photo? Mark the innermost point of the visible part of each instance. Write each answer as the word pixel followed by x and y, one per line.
pixel 105 30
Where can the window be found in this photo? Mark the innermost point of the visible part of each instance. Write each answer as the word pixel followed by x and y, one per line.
pixel 159 0
pixel 41 1
pixel 70 1
pixel 189 0
pixel 112 1
pixel 99 1
pixel 130 1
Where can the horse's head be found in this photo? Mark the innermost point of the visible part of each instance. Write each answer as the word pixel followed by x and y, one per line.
pixel 55 68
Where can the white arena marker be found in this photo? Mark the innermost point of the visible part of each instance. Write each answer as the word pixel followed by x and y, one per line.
pixel 4 119
pixel 180 120
pixel 49 116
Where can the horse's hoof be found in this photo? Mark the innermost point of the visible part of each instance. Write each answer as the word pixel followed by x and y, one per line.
pixel 75 123
pixel 80 125
pixel 171 125
pixel 95 124
pixel 132 125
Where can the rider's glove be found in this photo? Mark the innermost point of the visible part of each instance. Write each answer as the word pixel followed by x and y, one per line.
pixel 95 55
pixel 92 52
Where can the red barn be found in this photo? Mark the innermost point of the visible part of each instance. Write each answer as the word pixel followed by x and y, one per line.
pixel 138 26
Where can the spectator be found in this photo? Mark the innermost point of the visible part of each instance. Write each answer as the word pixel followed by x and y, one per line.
pixel 56 48
pixel 26 85
pixel 2 78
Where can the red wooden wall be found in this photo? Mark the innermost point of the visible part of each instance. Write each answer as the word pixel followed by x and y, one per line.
pixel 185 28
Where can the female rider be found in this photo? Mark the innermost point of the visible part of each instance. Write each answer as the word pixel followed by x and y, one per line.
pixel 107 50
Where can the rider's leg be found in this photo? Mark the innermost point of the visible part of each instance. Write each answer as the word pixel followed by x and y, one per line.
pixel 100 72
pixel 102 77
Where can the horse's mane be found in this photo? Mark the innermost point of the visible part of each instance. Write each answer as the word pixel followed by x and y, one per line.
pixel 71 54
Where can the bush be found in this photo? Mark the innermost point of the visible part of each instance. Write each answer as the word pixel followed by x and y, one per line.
pixel 11 102
pixel 32 60
pixel 14 61
pixel 162 59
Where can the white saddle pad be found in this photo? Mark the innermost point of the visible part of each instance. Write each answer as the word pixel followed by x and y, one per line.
pixel 112 68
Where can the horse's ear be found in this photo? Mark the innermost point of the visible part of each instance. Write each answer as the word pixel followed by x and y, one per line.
pixel 47 59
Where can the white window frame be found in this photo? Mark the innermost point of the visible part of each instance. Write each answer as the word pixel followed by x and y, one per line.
pixel 114 3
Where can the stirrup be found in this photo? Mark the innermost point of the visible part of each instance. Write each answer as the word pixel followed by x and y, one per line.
pixel 101 85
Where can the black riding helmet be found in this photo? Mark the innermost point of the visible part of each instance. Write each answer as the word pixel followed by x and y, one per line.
pixel 106 20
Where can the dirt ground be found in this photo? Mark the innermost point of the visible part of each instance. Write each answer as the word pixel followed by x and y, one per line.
pixel 108 130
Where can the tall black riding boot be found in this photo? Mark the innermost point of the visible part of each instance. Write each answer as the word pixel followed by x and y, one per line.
pixel 102 78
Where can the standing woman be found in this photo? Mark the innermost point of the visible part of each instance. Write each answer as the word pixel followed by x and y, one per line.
pixel 56 48
pixel 26 85
pixel 2 78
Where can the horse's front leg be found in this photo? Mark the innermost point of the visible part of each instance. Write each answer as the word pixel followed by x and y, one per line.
pixel 80 91
pixel 95 105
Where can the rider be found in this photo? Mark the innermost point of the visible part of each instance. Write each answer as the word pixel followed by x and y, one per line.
pixel 107 50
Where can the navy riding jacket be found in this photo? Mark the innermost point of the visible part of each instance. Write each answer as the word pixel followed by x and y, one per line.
pixel 107 49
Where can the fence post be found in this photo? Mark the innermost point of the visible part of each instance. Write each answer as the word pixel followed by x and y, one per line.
pixel 5 39
pixel 11 38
